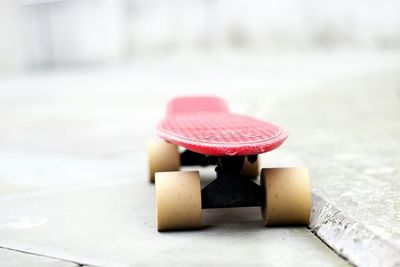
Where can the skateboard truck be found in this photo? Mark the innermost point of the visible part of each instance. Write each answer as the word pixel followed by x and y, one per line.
pixel 190 158
pixel 230 189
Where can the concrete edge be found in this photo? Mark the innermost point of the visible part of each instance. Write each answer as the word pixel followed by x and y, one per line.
pixel 39 255
pixel 350 238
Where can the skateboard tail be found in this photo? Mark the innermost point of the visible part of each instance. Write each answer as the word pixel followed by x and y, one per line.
pixel 224 149
pixel 206 126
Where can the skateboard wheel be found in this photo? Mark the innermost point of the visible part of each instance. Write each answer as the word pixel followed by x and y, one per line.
pixel 287 196
pixel 251 170
pixel 163 157
pixel 178 200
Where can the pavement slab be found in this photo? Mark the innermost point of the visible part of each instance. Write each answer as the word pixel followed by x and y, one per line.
pixel 73 175
pixel 115 226
pixel 349 139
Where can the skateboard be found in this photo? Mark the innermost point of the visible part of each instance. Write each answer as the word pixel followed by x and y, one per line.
pixel 209 134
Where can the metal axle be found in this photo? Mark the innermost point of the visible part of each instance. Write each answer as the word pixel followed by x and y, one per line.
pixel 231 189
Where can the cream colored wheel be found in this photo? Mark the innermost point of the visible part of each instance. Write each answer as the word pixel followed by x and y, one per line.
pixel 163 157
pixel 287 196
pixel 178 200
pixel 251 170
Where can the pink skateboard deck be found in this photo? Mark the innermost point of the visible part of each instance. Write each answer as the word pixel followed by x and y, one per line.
pixel 206 126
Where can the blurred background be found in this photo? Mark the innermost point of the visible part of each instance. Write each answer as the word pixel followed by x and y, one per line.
pixel 49 34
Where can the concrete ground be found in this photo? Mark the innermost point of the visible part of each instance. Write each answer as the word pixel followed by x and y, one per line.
pixel 73 173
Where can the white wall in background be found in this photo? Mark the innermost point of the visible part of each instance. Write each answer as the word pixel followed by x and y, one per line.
pixel 155 25
pixel 11 45
pixel 268 24
pixel 68 32
pixel 64 32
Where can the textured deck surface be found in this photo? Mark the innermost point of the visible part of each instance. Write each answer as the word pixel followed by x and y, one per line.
pixel 221 134
pixel 73 184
